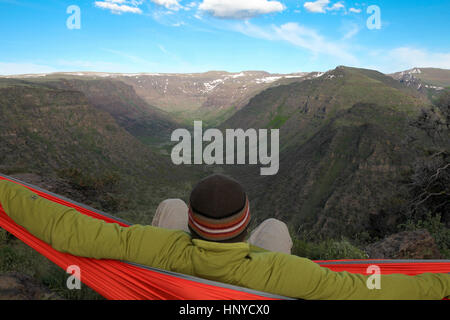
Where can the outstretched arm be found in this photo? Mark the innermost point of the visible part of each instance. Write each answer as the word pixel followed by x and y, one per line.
pixel 66 230
pixel 322 283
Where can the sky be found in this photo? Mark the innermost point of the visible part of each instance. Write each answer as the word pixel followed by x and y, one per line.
pixel 186 36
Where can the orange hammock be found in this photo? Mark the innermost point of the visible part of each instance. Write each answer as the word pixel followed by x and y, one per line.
pixel 118 280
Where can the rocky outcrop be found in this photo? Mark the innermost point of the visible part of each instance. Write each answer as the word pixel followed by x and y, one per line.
pixel 417 244
pixel 16 286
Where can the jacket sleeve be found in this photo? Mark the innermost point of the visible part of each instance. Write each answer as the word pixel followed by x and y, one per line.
pixel 345 285
pixel 301 278
pixel 66 230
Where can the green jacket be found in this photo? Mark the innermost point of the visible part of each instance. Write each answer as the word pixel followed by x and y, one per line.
pixel 240 264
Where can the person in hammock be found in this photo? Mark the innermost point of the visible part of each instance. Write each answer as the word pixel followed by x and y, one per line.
pixel 213 249
pixel 219 211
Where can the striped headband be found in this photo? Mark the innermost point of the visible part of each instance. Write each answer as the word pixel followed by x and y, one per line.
pixel 220 229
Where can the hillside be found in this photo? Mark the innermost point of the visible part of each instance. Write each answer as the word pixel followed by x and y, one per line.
pixel 428 81
pixel 118 99
pixel 341 177
pixel 429 76
pixel 57 133
pixel 300 109
pixel 346 143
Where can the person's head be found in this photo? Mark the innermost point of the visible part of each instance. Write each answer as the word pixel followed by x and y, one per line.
pixel 219 210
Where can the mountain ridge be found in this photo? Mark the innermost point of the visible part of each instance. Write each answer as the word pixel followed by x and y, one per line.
pixel 322 114
pixel 215 96
pixel 211 96
pixel 299 107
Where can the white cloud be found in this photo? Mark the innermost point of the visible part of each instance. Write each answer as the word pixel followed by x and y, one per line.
pixel 406 58
pixel 133 6
pixel 190 5
pixel 316 6
pixel 302 37
pixel 169 4
pixel 240 9
pixel 350 30
pixel 354 10
pixel 321 6
pixel 336 7
pixel 311 40
pixel 120 6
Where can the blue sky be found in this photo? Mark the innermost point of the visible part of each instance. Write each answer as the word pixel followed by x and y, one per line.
pixel 184 36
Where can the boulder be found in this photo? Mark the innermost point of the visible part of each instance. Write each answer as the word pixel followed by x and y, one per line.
pixel 417 244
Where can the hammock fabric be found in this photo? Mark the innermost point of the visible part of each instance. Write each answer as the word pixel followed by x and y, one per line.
pixel 117 280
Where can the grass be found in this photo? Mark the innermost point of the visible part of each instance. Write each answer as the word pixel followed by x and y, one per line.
pixel 277 121
pixel 434 76
pixel 211 117
pixel 15 256
pixel 324 185
pixel 327 249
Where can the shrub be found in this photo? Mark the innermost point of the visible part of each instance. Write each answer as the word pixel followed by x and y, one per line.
pixel 435 227
pixel 327 250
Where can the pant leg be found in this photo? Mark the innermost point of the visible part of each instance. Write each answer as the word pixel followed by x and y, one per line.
pixel 172 214
pixel 272 235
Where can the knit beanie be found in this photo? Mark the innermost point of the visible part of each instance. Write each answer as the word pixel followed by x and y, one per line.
pixel 218 208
